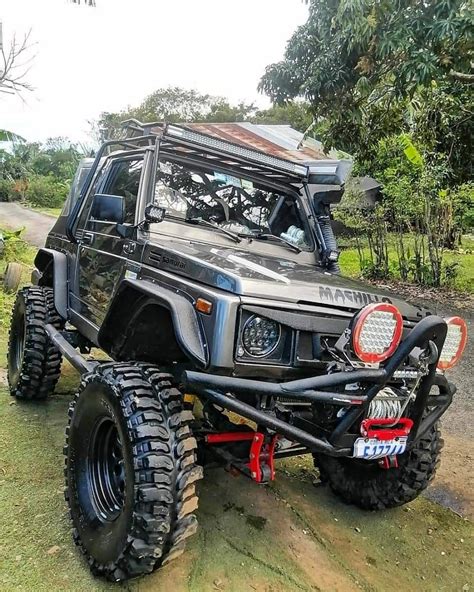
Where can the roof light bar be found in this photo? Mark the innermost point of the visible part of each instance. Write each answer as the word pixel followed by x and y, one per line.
pixel 254 155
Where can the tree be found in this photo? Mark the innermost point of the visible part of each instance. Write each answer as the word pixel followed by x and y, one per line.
pixel 175 104
pixel 360 64
pixel 294 113
pixel 170 104
pixel 15 64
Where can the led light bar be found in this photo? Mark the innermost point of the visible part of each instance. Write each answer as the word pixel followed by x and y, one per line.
pixel 235 150
pixel 409 374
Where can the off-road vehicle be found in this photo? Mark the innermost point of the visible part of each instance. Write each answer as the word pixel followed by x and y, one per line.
pixel 207 272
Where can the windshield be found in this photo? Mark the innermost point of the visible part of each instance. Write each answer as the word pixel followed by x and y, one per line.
pixel 235 204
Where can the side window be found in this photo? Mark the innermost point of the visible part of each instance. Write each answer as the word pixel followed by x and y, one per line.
pixel 124 180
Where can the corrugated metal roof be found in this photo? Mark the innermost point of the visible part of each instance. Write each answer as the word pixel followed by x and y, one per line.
pixel 277 140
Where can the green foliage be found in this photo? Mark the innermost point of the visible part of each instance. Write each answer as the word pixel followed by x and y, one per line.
pixel 57 156
pixel 16 249
pixel 6 136
pixel 17 163
pixel 350 48
pixel 370 69
pixel 417 202
pixel 458 266
pixel 463 203
pixel 6 190
pixel 295 113
pixel 40 173
pixel 46 191
pixel 176 105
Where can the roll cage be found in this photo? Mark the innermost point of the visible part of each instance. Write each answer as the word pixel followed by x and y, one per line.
pixel 199 149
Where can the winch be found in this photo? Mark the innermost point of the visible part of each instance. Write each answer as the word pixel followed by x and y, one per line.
pixel 387 404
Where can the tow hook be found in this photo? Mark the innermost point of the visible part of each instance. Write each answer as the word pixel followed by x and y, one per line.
pixel 373 428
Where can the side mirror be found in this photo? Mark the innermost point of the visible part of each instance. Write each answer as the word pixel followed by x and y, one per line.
pixel 154 214
pixel 108 208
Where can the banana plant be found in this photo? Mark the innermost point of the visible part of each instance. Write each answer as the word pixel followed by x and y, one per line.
pixel 6 136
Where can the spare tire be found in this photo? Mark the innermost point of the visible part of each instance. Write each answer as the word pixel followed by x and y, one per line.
pixel 12 277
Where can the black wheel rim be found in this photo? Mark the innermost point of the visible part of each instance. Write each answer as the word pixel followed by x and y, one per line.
pixel 106 470
pixel 17 342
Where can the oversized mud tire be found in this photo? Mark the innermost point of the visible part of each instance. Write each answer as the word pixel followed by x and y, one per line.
pixel 130 470
pixel 34 362
pixel 12 277
pixel 369 486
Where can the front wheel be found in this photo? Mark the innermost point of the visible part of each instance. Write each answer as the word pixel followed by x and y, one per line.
pixel 367 485
pixel 130 470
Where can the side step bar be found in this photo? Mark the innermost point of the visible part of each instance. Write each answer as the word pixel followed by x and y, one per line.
pixel 72 356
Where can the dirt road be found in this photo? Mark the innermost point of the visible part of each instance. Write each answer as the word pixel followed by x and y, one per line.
pixel 36 224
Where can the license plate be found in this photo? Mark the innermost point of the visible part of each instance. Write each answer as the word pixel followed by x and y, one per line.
pixel 370 448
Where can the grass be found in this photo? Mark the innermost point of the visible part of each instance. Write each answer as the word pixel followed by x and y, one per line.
pixel 464 281
pixel 21 252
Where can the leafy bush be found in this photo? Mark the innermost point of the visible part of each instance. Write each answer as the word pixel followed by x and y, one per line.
pixel 46 191
pixel 14 245
pixel 6 190
pixel 463 200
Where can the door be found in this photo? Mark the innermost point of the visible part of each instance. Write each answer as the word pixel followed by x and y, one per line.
pixel 102 252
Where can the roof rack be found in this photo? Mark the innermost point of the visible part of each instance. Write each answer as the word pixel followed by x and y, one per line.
pixel 215 149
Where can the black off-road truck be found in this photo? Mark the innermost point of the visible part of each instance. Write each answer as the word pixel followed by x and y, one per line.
pixel 207 272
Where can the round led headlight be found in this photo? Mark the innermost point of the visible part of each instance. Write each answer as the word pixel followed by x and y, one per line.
pixel 376 332
pixel 456 339
pixel 260 336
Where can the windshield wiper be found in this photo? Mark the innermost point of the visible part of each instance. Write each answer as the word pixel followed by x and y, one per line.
pixel 202 222
pixel 268 236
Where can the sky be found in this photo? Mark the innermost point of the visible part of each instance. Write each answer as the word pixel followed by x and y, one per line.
pixel 90 60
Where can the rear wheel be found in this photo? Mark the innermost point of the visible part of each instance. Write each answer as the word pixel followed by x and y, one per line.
pixel 371 487
pixel 34 362
pixel 130 470
pixel 12 277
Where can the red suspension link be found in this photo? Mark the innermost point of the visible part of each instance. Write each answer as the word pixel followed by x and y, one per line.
pixel 262 449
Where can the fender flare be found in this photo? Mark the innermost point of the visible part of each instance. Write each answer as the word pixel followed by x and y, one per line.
pixel 59 262
pixel 185 322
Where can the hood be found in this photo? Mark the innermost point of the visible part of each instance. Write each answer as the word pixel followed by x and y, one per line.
pixel 260 276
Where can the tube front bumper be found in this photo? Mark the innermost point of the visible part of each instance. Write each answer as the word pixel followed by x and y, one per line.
pixel 432 328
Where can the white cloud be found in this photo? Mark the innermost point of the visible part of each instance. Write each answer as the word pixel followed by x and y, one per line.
pixel 92 60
